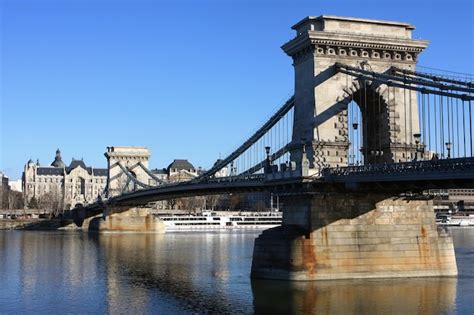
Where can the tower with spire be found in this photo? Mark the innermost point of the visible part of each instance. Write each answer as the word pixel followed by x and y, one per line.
pixel 58 161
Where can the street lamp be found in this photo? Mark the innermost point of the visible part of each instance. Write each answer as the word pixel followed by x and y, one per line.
pixel 232 169
pixel 417 137
pixel 268 163
pixel 267 151
pixel 448 147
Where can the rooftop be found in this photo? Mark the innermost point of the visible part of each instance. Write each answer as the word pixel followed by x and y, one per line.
pixel 350 26
pixel 351 19
pixel 181 165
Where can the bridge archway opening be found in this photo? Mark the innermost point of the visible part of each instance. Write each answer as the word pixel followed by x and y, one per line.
pixel 368 127
pixel 132 184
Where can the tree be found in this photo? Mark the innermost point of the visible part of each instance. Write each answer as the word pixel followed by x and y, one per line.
pixel 234 201
pixel 211 201
pixel 192 203
pixel 15 200
pixel 4 193
pixel 51 201
pixel 171 203
pixel 33 203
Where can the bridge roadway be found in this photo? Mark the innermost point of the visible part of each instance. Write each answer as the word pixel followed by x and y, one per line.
pixel 396 178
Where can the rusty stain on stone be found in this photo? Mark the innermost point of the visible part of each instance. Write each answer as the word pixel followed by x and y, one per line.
pixel 309 256
pixel 423 232
pixel 324 231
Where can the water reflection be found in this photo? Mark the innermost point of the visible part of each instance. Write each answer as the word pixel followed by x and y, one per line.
pixel 43 272
pixel 40 268
pixel 414 296
pixel 189 271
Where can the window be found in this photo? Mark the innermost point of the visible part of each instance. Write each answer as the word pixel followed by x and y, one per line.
pixel 82 186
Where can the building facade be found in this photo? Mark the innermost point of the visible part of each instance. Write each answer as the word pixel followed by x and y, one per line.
pixel 62 187
pixel 4 191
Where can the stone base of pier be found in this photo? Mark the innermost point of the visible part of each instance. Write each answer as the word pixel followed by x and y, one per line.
pixel 131 220
pixel 339 236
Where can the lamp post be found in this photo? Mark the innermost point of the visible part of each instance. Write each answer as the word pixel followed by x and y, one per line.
pixel 267 151
pixel 448 147
pixel 268 162
pixel 417 137
pixel 233 169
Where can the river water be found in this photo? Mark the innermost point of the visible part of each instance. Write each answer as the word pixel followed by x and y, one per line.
pixel 195 273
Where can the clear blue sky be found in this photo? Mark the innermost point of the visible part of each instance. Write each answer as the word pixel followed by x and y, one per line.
pixel 188 79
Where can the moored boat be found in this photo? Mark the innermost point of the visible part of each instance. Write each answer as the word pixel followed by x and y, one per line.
pixel 208 220
pixel 454 220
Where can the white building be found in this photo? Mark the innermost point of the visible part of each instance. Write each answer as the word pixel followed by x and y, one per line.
pixel 60 186
pixel 16 185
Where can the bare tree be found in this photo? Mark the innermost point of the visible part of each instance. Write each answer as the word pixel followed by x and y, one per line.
pixel 234 201
pixel 212 201
pixel 15 200
pixel 171 203
pixel 51 201
pixel 4 193
pixel 33 203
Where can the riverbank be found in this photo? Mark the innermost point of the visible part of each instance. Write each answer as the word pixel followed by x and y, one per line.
pixel 36 224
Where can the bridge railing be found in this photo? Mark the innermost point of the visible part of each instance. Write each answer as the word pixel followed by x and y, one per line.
pixel 237 178
pixel 414 167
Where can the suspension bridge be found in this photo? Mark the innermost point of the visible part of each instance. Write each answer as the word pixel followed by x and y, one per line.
pixel 349 154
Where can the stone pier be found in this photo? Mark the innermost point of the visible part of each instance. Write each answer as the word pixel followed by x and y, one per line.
pixel 131 220
pixel 348 236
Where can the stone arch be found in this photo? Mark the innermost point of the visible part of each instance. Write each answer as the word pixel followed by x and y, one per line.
pixel 376 133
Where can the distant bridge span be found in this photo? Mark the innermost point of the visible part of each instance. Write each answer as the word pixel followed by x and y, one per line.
pixel 412 177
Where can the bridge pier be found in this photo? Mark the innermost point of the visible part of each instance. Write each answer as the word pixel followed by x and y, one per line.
pixel 125 219
pixel 349 236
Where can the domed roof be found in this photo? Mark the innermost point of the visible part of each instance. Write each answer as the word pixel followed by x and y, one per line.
pixel 180 165
pixel 58 162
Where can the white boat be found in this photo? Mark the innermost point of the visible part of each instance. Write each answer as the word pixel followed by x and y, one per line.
pixel 448 220
pixel 208 220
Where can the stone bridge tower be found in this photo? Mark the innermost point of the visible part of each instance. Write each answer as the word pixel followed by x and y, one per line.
pixel 320 118
pixel 346 234
pixel 130 158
